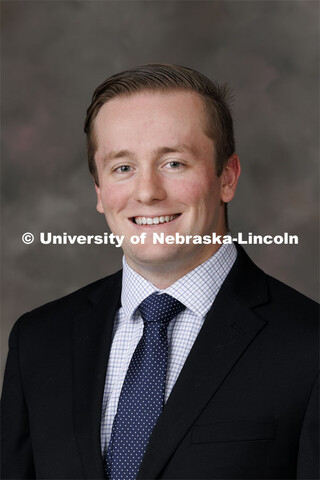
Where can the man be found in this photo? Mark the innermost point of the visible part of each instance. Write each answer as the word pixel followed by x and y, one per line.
pixel 191 363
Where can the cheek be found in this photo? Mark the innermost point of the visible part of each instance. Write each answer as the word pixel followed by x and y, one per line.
pixel 114 198
pixel 199 190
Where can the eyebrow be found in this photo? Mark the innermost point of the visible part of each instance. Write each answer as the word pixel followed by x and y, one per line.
pixel 181 148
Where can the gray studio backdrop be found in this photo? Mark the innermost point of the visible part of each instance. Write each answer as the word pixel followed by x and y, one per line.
pixel 54 53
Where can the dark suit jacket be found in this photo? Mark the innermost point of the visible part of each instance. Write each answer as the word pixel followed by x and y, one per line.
pixel 243 407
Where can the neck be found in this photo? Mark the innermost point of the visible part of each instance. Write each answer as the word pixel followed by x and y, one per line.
pixel 162 275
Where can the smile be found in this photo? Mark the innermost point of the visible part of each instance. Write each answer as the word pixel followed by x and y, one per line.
pixel 154 220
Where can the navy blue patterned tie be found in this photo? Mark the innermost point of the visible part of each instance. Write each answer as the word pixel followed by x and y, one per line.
pixel 142 395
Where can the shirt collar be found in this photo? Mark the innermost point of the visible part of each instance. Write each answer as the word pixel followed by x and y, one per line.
pixel 204 282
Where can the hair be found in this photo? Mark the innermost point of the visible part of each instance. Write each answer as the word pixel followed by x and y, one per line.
pixel 165 77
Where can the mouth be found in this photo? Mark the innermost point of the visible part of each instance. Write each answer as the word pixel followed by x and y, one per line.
pixel 154 220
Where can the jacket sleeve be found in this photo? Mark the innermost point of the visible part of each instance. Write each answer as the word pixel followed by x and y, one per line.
pixel 16 450
pixel 308 456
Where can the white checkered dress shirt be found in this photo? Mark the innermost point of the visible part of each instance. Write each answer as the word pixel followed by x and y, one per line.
pixel 203 282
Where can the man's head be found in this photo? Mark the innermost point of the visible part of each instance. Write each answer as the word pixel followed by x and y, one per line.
pixel 153 158
pixel 164 77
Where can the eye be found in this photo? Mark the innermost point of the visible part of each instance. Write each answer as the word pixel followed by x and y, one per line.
pixel 174 164
pixel 123 169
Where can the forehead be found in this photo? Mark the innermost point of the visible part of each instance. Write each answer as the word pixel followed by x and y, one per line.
pixel 153 114
pixel 171 102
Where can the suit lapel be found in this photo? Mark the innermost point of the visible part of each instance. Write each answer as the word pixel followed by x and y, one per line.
pixel 229 328
pixel 92 336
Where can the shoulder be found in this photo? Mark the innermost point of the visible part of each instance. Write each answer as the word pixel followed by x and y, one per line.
pixel 58 313
pixel 273 300
pixel 289 298
pixel 290 333
pixel 291 314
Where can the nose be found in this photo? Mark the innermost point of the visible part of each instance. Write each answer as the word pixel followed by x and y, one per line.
pixel 149 187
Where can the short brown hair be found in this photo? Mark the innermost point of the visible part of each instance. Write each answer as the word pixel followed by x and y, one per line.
pixel 162 77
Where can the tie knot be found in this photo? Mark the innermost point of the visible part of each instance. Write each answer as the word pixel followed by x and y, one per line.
pixel 161 308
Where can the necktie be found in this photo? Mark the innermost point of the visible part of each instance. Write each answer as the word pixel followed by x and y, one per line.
pixel 142 395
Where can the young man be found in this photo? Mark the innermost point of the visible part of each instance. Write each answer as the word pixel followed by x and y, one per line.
pixel 191 363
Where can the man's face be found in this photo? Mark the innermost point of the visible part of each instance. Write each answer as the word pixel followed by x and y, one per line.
pixel 156 170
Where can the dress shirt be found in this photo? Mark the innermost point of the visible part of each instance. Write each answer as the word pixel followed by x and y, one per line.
pixel 203 283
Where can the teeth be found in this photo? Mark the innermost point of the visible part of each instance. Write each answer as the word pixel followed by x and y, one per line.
pixel 154 220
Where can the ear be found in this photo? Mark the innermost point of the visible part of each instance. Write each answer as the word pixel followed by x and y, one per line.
pixel 229 178
pixel 99 206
